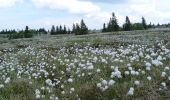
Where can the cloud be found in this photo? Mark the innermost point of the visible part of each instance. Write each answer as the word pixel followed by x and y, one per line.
pixel 108 1
pixel 9 3
pixel 73 6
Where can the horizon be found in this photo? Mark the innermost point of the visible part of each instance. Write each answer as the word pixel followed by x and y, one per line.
pixel 16 14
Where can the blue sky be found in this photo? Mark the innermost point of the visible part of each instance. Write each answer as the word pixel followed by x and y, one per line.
pixel 44 13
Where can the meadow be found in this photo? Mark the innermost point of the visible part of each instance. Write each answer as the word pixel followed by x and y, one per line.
pixel 100 66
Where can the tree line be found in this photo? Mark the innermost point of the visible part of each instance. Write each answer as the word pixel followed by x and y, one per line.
pixel 81 28
pixel 113 26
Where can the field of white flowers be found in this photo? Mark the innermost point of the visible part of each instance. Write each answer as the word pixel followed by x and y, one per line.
pixel 104 66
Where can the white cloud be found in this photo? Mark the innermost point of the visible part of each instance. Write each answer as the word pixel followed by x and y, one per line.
pixel 73 6
pixel 89 11
pixel 9 3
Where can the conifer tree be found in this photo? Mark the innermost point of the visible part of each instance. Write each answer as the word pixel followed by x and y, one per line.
pixel 144 23
pixel 53 31
pixel 83 28
pixel 104 28
pixel 127 25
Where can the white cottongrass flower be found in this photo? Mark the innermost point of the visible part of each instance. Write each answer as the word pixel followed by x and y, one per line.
pixel 37 94
pixel 7 80
pixel 157 62
pixel 163 84
pixel 166 68
pixel 163 74
pixel 126 72
pixel 104 82
pixel 98 70
pixel 99 85
pixel 149 78
pixel 131 91
pixel 63 92
pixel 72 89
pixel 53 98
pixel 143 72
pixel 1 86
pixel 42 88
pixel 48 82
pixel 70 80
pixel 137 82
pixel 111 82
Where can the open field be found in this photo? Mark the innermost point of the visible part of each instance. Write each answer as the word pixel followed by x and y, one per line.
pixel 102 66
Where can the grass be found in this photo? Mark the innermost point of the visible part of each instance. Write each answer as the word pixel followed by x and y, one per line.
pixel 60 58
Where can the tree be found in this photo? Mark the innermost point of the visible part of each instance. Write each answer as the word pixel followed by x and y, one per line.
pixel 53 31
pixel 74 28
pixel 27 33
pixel 65 30
pixel 80 29
pixel 104 28
pixel 127 26
pixel 144 23
pixel 83 28
pixel 112 25
pixel 77 30
pixel 57 30
pixel 114 22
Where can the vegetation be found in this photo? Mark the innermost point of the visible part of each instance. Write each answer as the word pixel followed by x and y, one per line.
pixel 112 26
pixel 80 29
pixel 127 66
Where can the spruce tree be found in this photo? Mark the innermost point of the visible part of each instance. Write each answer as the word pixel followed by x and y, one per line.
pixel 77 29
pixel 83 28
pixel 65 30
pixel 127 25
pixel 112 25
pixel 53 31
pixel 60 30
pixel 144 23
pixel 57 30
pixel 74 28
pixel 104 28
pixel 114 22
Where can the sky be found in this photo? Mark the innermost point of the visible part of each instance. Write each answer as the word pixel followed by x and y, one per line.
pixel 16 14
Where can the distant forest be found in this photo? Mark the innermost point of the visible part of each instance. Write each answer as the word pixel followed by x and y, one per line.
pixel 82 28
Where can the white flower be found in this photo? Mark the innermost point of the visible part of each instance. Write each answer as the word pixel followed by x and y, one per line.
pixel 98 70
pixel 62 92
pixel 38 96
pixel 148 68
pixel 53 98
pixel 127 73
pixel 157 62
pixel 1 86
pixel 163 84
pixel 149 78
pixel 104 82
pixel 148 64
pixel 42 88
pixel 7 80
pixel 131 91
pixel 37 93
pixel 99 85
pixel 70 80
pixel 111 82
pixel 48 82
pixel 72 89
pixel 166 68
pixel 163 74
pixel 143 72
pixel 136 82
pixel 62 86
